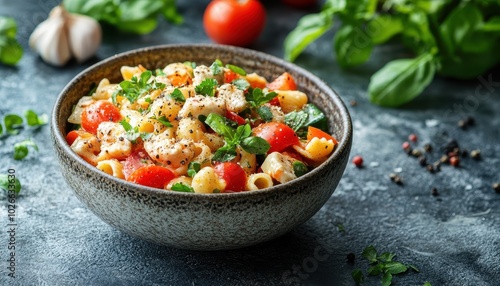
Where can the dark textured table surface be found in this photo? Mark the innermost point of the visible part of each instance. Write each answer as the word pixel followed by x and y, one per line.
pixel 453 238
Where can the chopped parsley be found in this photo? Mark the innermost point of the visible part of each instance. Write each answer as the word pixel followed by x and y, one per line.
pixel 133 133
pixel 177 95
pixel 257 97
pixel 181 187
pixel 135 87
pixel 207 87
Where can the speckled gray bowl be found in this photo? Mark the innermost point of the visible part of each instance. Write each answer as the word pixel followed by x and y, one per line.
pixel 202 221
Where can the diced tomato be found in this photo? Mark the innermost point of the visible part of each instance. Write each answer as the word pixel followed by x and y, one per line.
pixel 229 76
pixel 71 136
pixel 289 151
pixel 318 133
pixel 235 117
pixel 277 134
pixel 98 112
pixel 233 174
pixel 139 158
pixel 283 82
pixel 152 176
pixel 275 101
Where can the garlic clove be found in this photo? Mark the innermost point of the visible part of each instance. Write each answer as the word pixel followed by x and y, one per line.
pixel 84 36
pixel 50 40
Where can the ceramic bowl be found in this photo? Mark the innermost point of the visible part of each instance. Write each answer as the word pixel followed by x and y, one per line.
pixel 202 221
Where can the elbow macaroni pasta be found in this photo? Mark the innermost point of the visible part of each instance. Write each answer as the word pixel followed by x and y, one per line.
pixel 163 124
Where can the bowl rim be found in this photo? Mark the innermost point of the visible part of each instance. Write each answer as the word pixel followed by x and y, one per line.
pixel 343 143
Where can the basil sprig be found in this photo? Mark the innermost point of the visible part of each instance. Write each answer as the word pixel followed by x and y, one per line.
pixel 10 49
pixel 241 136
pixel 458 39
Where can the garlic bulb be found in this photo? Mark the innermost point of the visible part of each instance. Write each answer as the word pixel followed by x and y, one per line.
pixel 64 36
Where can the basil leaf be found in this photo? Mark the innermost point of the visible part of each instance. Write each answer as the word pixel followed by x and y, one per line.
pixel 225 154
pixel 309 28
pixel 460 23
pixel 375 269
pixel 135 10
pixel 255 145
pixel 383 27
pixel 493 25
pixel 7 181
pixel 265 113
pixel 400 81
pixel 218 124
pixel 12 123
pixel 352 46
pixel 170 12
pixel 21 149
pixel 8 27
pixel 386 257
pixel 296 119
pixel 241 83
pixel 299 168
pixel 257 97
pixel 1 129
pixel 193 168
pixel 180 187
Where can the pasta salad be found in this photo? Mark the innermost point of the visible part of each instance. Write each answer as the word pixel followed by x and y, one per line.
pixel 199 128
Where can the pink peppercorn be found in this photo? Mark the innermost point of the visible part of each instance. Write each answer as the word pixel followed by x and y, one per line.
pixel 413 138
pixel 357 161
pixel 406 145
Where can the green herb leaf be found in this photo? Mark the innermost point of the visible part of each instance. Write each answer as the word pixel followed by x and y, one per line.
pixel 216 67
pixel 163 120
pixel 10 182
pixel 207 87
pixel 370 254
pixel 352 46
pixel 255 145
pixel 135 87
pixel 358 276
pixel 384 27
pixel 193 168
pixel 225 154
pixel 299 168
pixel 265 113
pixel 386 256
pixel 399 81
pixel 387 279
pixel 218 124
pixel 21 149
pixel 10 49
pixel 427 283
pixel 309 28
pixel 237 69
pixel 33 119
pixel 309 115
pixel 257 97
pixel 492 25
pixel 376 269
pixel 178 96
pixel 180 187
pixel 395 267
pixel 12 123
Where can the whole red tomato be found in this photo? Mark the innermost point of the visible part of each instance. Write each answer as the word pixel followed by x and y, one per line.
pixel 234 22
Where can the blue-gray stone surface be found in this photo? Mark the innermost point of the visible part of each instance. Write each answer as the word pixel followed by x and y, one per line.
pixel 453 238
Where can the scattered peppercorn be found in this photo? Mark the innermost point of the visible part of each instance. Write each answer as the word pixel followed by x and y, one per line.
pixel 351 257
pixel 444 159
pixel 450 146
pixel 406 145
pixel 412 137
pixel 464 153
pixel 396 178
pixel 435 192
pixel 496 187
pixel 353 102
pixel 475 154
pixel 422 160
pixel 466 122
pixel 455 161
pixel 358 161
pixel 430 168
pixel 416 153
pixel 428 147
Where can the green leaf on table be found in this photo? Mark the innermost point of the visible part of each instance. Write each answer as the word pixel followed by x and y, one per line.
pixel 460 23
pixel 170 12
pixel 386 256
pixel 10 182
pixel 395 267
pixel 387 279
pixel 383 27
pixel 375 269
pixel 12 123
pixel 21 149
pixel 34 120
pixel 370 254
pixel 358 276
pixel 10 49
pixel 352 46
pixel 427 283
pixel 399 81
pixel 309 28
